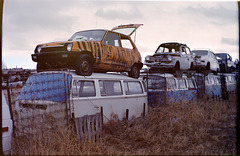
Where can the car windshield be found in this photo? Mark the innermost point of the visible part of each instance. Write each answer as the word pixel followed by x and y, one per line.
pixel 167 49
pixel 90 35
pixel 200 52
pixel 223 56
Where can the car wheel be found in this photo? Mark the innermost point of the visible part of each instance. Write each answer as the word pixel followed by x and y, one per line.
pixel 135 72
pixel 84 65
pixel 208 66
pixel 177 66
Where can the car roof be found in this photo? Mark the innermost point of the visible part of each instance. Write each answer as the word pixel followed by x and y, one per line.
pixel 111 76
pixel 101 30
pixel 172 44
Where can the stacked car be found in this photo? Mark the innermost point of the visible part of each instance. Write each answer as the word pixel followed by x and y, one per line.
pixel 97 50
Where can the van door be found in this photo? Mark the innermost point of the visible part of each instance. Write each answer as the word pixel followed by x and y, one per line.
pixel 111 99
pixel 84 98
pixel 135 98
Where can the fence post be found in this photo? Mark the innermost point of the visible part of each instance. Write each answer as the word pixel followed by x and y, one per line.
pixel 127 114
pixel 144 106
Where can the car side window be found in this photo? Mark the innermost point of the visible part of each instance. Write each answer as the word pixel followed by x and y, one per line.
pixel 126 43
pixel 110 88
pixel 183 50
pixel 112 39
pixel 188 51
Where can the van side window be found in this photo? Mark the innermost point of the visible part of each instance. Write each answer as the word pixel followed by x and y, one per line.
pixel 206 81
pixel 211 80
pixel 83 89
pixel 181 84
pixel 86 89
pixel 75 89
pixel 133 87
pixel 171 84
pixel 191 84
pixel 218 80
pixel 109 87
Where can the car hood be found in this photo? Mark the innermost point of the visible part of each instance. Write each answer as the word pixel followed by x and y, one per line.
pixel 60 43
pixel 127 30
pixel 164 54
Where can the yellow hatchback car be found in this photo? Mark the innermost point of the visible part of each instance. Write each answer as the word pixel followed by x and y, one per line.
pixel 97 50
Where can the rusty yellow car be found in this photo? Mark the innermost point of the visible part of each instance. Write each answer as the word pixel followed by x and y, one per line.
pixel 88 51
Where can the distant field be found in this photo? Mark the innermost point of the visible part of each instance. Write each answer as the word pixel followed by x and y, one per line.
pixel 202 128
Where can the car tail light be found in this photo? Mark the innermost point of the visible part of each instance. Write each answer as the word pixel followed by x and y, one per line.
pixel 4 129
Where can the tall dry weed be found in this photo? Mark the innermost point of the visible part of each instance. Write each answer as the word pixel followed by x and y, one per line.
pixel 201 128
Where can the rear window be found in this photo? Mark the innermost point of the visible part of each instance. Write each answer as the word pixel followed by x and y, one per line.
pixel 47 86
pixel 110 88
pixel 83 89
pixel 133 87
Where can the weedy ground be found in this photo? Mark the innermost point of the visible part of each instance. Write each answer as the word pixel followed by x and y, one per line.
pixel 201 128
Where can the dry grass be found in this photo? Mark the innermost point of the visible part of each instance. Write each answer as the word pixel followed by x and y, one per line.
pixel 201 128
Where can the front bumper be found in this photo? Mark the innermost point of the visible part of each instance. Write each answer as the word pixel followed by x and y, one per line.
pixel 167 64
pixel 56 58
pixel 199 65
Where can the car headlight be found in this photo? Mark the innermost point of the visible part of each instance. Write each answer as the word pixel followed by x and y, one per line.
pixel 147 58
pixel 39 49
pixel 169 57
pixel 69 47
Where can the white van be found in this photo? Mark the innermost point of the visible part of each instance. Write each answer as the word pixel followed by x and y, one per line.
pixel 77 96
pixel 7 127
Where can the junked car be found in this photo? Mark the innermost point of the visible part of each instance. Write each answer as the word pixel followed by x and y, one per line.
pixel 65 96
pixel 97 50
pixel 225 62
pixel 7 127
pixel 172 55
pixel 206 61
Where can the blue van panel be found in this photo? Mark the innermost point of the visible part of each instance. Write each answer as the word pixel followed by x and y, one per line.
pixel 181 95
pixel 47 86
pixel 156 98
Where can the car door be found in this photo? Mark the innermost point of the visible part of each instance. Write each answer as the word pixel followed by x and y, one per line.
pixel 111 49
pixel 185 58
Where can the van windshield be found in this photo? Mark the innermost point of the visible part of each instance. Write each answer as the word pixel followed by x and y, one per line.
pixel 47 86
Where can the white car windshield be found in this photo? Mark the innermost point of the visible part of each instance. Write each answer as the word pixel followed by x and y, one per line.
pixel 90 35
pixel 200 52
pixel 167 50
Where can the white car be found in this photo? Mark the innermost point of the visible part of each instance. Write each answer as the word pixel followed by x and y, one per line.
pixel 172 55
pixel 7 127
pixel 206 60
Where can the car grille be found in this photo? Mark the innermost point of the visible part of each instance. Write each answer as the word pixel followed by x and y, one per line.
pixel 50 49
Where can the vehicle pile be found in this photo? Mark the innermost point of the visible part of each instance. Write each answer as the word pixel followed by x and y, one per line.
pixel 175 73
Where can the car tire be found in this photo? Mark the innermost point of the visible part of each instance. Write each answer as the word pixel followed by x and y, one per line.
pixel 135 72
pixel 84 65
pixel 208 67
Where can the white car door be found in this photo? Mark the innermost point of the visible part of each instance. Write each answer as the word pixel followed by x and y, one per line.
pixel 185 58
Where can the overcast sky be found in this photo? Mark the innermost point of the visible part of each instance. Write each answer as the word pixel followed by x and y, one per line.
pixel 26 23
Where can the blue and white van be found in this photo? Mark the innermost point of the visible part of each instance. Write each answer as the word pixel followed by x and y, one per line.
pixel 65 95
pixel 209 85
pixel 167 89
